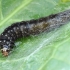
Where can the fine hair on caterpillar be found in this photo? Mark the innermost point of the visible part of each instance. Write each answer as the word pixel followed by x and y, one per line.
pixel 31 27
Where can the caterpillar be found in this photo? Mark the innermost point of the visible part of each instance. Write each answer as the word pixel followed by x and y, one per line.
pixel 31 27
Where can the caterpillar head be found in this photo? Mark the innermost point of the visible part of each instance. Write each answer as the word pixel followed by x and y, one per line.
pixel 6 45
pixel 5 49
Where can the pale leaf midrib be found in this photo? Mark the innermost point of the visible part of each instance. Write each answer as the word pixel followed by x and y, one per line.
pixel 1 15
pixel 52 55
pixel 15 11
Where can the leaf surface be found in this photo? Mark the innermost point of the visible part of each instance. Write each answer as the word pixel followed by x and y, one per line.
pixel 46 51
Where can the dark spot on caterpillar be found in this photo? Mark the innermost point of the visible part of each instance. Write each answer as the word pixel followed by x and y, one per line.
pixel 32 27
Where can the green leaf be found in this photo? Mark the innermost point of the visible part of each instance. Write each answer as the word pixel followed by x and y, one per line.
pixel 46 51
